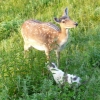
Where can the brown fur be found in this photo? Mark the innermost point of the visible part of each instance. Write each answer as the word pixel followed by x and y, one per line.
pixel 47 36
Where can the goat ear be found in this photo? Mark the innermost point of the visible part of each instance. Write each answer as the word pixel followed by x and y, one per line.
pixel 57 20
pixel 65 12
pixel 53 65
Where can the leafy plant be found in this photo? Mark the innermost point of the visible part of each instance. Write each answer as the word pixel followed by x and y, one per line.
pixel 28 78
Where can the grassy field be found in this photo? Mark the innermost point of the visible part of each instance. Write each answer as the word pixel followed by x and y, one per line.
pixel 28 78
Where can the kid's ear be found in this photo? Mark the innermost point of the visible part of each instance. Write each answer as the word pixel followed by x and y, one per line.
pixel 57 20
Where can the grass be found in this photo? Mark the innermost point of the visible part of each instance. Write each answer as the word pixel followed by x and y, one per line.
pixel 28 78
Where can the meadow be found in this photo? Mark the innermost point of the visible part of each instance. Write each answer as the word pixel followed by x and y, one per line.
pixel 28 78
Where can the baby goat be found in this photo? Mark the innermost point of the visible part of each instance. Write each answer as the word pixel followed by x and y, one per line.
pixel 60 77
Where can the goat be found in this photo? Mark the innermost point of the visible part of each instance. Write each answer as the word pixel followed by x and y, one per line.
pixel 46 36
pixel 60 77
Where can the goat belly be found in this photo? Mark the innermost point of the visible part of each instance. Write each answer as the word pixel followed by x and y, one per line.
pixel 37 45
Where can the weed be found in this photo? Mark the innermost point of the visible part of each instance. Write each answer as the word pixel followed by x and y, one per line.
pixel 28 78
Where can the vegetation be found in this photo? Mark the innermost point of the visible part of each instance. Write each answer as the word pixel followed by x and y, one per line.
pixel 28 78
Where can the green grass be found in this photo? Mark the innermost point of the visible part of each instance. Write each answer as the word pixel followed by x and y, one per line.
pixel 28 78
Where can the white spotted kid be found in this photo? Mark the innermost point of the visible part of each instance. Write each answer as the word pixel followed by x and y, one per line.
pixel 60 77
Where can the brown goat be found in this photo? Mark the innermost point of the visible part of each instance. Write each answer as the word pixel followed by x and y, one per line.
pixel 46 36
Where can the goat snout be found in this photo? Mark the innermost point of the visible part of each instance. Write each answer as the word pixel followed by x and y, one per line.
pixel 76 24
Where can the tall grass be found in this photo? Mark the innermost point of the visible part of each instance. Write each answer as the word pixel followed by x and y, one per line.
pixel 28 78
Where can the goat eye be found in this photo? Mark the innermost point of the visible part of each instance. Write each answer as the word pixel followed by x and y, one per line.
pixel 63 21
pixel 74 78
